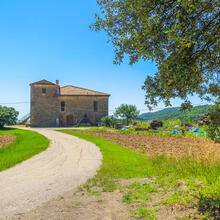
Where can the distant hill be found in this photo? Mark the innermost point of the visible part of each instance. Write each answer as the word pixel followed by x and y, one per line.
pixel 174 113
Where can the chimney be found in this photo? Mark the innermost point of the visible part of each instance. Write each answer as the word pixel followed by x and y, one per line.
pixel 57 82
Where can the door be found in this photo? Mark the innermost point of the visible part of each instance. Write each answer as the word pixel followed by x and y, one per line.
pixel 69 120
pixel 61 121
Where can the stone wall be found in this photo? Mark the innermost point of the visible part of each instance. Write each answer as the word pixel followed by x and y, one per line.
pixel 79 106
pixel 46 108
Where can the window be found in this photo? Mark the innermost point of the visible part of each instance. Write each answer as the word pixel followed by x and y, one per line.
pixel 62 105
pixel 95 106
pixel 44 90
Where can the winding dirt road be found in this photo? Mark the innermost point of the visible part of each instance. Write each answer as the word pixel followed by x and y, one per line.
pixel 67 163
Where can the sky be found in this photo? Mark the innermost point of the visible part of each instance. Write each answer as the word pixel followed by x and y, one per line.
pixel 51 39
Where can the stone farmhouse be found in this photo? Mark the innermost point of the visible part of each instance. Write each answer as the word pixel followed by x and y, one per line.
pixel 55 106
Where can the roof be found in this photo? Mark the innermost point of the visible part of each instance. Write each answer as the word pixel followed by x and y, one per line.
pixel 43 82
pixel 74 90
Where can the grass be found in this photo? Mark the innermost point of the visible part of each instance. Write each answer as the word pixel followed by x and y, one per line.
pixel 27 144
pixel 143 212
pixel 118 161
pixel 200 179
pixel 139 192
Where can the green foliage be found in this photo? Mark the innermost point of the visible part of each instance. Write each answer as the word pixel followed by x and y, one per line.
pixel 146 213
pixel 180 36
pixel 8 116
pixel 214 126
pixel 27 144
pixel 160 133
pixel 175 113
pixel 142 124
pixel 109 121
pixel 138 192
pixel 172 123
pixel 127 112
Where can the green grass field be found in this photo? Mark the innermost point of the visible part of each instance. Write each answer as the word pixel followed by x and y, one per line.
pixel 200 178
pixel 27 144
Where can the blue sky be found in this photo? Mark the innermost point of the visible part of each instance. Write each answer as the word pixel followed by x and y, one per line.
pixel 51 39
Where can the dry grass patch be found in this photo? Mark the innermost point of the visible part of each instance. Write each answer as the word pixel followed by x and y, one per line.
pixel 175 147
pixel 6 139
pixel 81 205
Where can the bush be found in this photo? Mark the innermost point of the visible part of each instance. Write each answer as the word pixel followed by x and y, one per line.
pixel 143 124
pixel 172 123
pixel 109 121
pixel 8 116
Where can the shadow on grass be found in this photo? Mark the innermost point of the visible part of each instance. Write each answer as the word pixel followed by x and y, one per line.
pixel 7 129
pixel 210 206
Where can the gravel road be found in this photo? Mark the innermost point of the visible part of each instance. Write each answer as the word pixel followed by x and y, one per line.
pixel 67 163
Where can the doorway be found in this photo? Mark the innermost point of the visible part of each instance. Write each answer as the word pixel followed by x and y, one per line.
pixel 69 120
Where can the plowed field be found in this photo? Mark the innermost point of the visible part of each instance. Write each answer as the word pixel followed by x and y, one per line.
pixel 177 147
pixel 6 139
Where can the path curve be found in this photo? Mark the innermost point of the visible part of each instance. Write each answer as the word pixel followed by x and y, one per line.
pixel 67 163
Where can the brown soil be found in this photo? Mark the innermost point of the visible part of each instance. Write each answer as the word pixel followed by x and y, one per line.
pixel 6 139
pixel 177 147
pixel 81 205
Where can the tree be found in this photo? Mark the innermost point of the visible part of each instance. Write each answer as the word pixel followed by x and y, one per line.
pixel 214 126
pixel 127 112
pixel 8 116
pixel 181 36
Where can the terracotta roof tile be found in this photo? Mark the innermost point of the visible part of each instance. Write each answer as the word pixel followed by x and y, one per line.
pixel 73 90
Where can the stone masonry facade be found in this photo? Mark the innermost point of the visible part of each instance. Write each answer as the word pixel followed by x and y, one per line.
pixel 55 106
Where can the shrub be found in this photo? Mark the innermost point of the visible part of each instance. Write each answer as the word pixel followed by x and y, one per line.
pixel 172 123
pixel 109 121
pixel 143 124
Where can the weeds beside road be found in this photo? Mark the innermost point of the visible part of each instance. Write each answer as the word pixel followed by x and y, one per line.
pixel 165 186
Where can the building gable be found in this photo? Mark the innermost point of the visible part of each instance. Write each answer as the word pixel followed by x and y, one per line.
pixel 43 82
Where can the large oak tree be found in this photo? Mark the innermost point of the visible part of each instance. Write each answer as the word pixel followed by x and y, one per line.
pixel 181 36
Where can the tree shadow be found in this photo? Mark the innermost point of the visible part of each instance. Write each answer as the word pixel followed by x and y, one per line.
pixel 7 129
pixel 210 206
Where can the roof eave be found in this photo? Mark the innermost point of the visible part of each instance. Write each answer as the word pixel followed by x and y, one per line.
pixel 90 90
pixel 85 95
